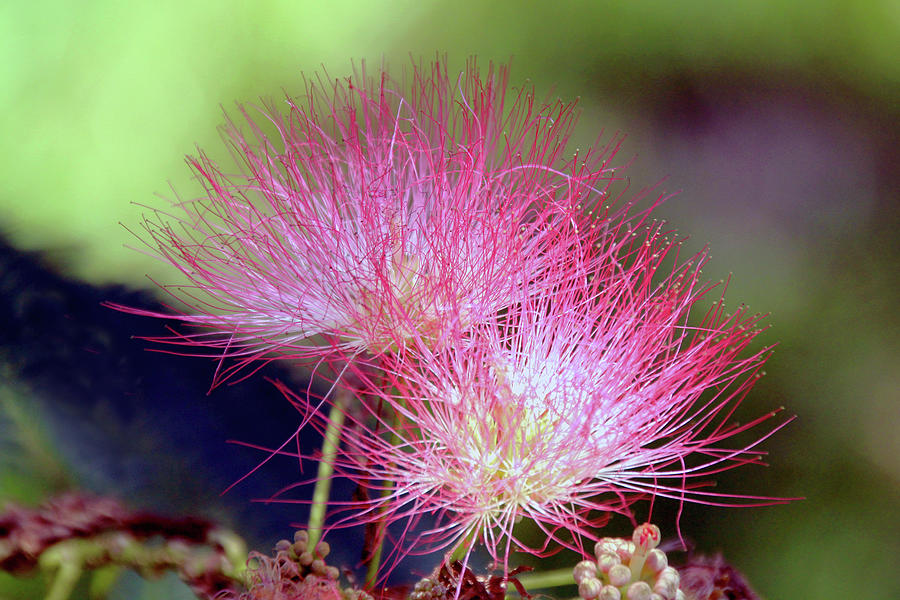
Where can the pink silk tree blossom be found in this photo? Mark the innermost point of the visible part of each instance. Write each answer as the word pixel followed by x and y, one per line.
pixel 564 408
pixel 535 353
pixel 371 212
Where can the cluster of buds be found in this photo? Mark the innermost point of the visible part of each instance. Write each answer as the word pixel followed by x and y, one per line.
pixel 428 588
pixel 634 569
pixel 307 561
pixel 295 572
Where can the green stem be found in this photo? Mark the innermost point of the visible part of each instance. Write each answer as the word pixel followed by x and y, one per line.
pixel 464 546
pixel 64 582
pixel 381 532
pixel 547 579
pixel 326 469
pixel 459 552
pixel 375 560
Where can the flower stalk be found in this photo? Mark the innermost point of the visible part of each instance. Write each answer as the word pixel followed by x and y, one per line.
pixel 325 472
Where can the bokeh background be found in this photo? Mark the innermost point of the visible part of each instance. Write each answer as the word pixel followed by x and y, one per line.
pixel 777 121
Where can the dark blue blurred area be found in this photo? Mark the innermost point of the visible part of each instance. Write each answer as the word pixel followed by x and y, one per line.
pixel 144 426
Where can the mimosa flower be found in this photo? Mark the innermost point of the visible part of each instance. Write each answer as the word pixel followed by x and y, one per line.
pixel 567 407
pixel 371 213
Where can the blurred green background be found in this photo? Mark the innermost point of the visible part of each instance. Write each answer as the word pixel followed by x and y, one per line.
pixel 777 121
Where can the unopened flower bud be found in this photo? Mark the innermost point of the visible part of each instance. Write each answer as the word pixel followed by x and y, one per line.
pixel 625 550
pixel 610 592
pixel 607 561
pixel 619 575
pixel 605 546
pixel 667 583
pixel 646 537
pixel 639 590
pixel 318 566
pixel 589 588
pixel 322 549
pixel 656 561
pixel 586 568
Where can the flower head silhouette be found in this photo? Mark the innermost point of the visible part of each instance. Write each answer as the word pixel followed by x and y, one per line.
pixel 373 212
